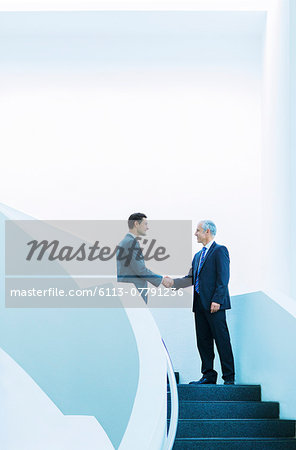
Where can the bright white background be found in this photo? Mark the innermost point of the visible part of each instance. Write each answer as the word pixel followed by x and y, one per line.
pixel 105 115
pixel 164 117
pixel 100 118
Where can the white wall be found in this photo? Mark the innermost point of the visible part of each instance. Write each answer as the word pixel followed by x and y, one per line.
pixel 276 155
pixel 102 116
pixel 292 15
pixel 30 420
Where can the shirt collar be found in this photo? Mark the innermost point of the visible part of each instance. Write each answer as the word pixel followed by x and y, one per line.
pixel 133 235
pixel 209 244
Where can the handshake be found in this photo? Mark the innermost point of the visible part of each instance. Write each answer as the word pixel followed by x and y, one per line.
pixel 168 282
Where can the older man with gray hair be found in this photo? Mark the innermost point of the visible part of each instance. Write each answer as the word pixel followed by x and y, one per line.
pixel 209 275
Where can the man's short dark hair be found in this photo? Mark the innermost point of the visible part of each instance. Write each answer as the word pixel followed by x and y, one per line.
pixel 136 217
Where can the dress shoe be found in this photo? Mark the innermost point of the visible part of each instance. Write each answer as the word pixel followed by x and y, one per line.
pixel 205 380
pixel 229 382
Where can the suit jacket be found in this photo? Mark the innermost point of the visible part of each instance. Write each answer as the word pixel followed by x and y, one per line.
pixel 131 266
pixel 213 278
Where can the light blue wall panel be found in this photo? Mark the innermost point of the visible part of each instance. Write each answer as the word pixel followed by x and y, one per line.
pixel 263 337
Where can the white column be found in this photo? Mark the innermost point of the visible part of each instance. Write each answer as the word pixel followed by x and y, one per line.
pixel 276 156
pixel 293 140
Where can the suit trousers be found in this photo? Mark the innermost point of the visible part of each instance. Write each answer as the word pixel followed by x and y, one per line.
pixel 212 327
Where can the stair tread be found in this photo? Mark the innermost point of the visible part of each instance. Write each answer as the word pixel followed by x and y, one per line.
pixel 240 419
pixel 247 418
pixel 219 392
pixel 236 443
pixel 226 386
pixel 235 402
pixel 252 438
pixel 235 428
pixel 226 409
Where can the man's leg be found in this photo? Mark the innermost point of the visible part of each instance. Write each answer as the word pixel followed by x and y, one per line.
pixel 205 344
pixel 217 322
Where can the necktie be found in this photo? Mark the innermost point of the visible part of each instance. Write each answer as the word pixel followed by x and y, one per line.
pixel 202 258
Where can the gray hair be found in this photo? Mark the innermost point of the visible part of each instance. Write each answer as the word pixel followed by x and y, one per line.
pixel 209 225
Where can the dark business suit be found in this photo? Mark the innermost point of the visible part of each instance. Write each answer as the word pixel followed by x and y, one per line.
pixel 213 287
pixel 131 266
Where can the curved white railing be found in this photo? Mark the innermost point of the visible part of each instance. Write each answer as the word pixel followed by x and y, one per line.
pixel 147 425
pixel 174 403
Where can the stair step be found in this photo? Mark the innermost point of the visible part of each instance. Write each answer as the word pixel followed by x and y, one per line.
pixel 235 444
pixel 227 410
pixel 219 392
pixel 197 428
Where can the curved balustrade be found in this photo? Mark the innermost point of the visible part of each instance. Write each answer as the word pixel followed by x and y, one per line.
pixel 141 356
pixel 174 403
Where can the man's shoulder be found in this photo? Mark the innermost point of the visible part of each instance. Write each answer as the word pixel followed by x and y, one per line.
pixel 128 238
pixel 220 247
pixel 221 251
pixel 196 255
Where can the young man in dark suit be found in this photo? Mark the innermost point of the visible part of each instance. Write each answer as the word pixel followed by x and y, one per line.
pixel 209 275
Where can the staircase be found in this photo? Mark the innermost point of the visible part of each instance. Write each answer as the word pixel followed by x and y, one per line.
pixel 230 417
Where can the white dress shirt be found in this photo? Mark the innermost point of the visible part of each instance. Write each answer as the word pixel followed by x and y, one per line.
pixel 207 247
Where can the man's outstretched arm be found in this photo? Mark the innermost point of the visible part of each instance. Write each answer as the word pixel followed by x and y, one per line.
pixel 178 283
pixel 139 269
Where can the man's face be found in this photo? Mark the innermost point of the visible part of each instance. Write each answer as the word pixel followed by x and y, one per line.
pixel 201 234
pixel 142 227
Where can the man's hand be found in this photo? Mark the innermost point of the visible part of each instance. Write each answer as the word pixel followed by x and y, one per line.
pixel 168 282
pixel 215 307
